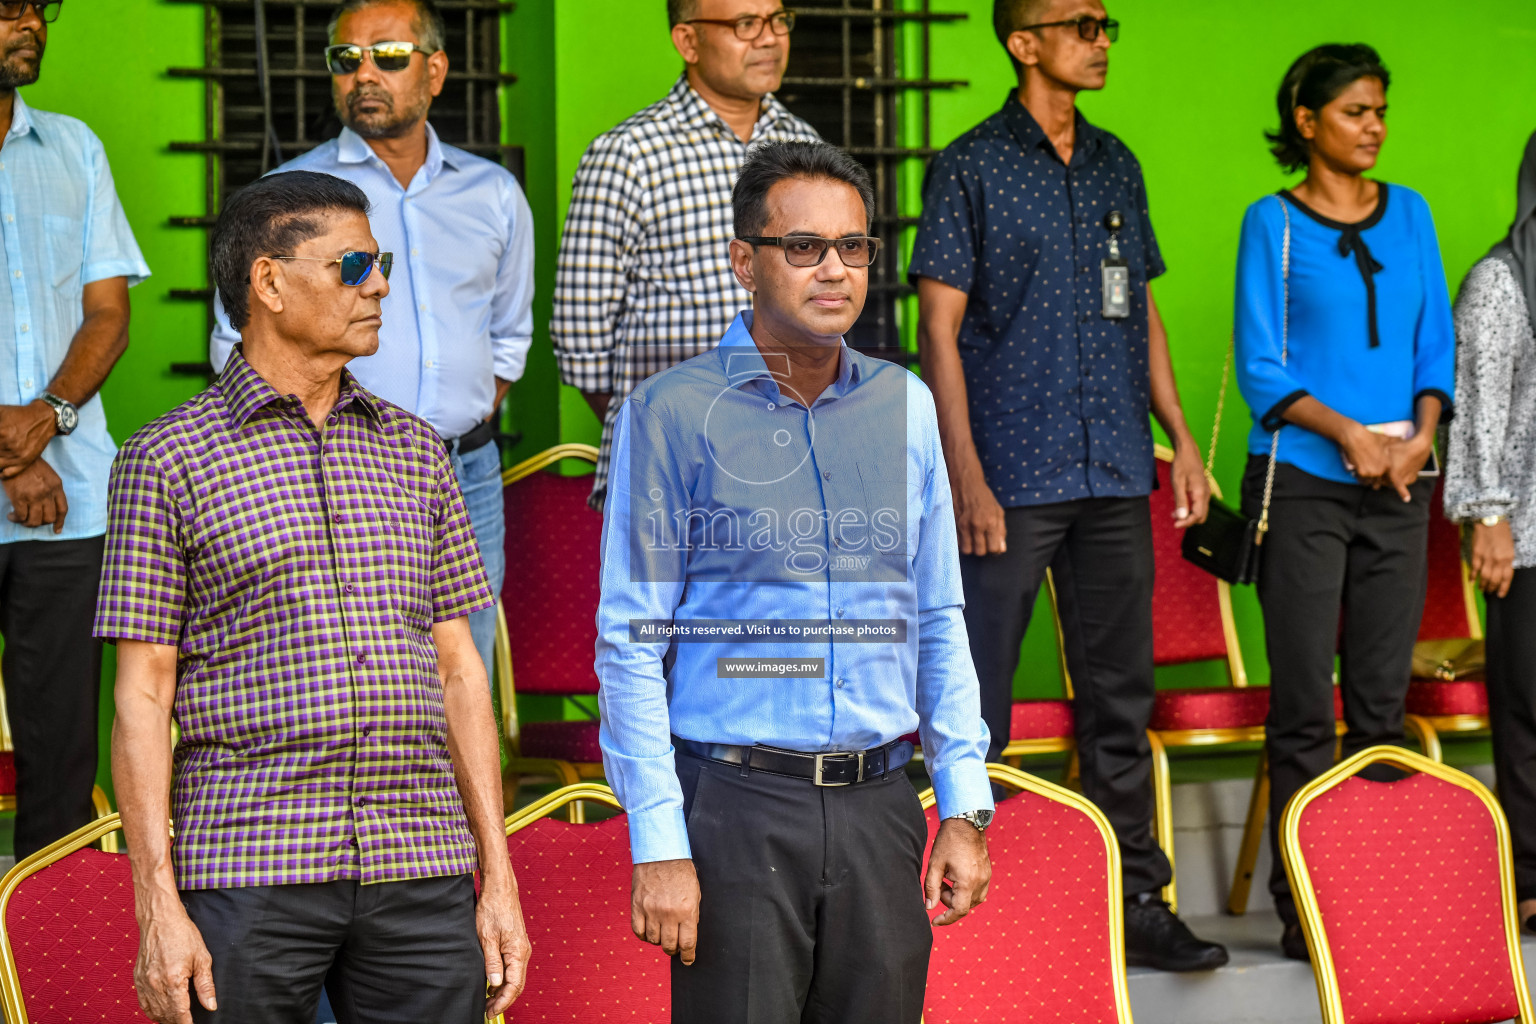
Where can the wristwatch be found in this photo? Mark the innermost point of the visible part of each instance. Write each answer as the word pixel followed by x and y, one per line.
pixel 1491 520
pixel 981 819
pixel 65 416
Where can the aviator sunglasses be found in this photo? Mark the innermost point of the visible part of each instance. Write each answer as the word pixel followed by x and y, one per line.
pixel 355 266
pixel 346 58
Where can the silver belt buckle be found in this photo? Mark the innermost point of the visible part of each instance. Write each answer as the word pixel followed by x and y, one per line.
pixel 821 763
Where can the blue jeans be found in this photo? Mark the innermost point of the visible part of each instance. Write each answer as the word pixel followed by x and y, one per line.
pixel 479 475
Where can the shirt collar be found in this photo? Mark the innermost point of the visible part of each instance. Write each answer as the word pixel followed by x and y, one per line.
pixel 352 148
pixel 21 118
pixel 743 364
pixel 691 110
pixel 1031 136
pixel 246 391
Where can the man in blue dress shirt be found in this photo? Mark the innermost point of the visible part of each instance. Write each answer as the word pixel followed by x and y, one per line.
pixel 781 604
pixel 69 259
pixel 458 321
pixel 1045 352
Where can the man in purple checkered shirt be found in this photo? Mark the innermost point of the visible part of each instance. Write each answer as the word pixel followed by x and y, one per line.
pixel 289 572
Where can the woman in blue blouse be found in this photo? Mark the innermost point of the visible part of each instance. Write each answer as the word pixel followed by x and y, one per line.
pixel 1351 359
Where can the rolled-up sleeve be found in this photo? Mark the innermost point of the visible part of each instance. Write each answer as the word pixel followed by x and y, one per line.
pixel 602 231
pixel 639 582
pixel 1262 376
pixel 955 737
pixel 143 590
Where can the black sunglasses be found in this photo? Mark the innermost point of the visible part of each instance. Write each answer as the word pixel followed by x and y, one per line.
pixel 346 58
pixel 809 251
pixel 355 266
pixel 1087 28
pixel 47 10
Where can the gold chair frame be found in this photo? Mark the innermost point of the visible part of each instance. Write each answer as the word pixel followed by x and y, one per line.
pixel 1015 779
pixel 1306 896
pixel 104 830
pixel 567 773
pixel 1427 728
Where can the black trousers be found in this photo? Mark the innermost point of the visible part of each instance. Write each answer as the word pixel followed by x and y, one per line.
pixel 1100 551
pixel 1333 550
pixel 403 952
pixel 1512 708
pixel 811 902
pixel 52 669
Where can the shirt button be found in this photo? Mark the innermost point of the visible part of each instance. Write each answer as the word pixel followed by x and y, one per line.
pixel 367 730
pixel 361 801
pixel 362 659
pixel 352 841
pixel 422 307
pixel 349 588
pixel 9 219
pixel 25 328
pixel 840 613
pixel 18 273
pixel 27 383
pixel 826 474
pixel 840 683
pixel 415 252
pixel 336 517
pixel 427 364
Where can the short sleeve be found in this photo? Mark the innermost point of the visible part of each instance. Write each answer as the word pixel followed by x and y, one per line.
pixel 1152 254
pixel 459 583
pixel 110 248
pixel 143 588
pixel 947 234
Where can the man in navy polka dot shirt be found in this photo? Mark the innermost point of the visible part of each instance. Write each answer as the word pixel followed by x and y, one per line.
pixel 1045 354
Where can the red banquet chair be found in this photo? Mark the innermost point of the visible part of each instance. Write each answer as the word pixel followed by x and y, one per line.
pixel 68 936
pixel 574 882
pixel 550 598
pixel 1406 893
pixel 1049 944
pixel 1450 613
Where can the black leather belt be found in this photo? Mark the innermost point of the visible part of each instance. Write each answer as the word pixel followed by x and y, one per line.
pixel 479 437
pixel 833 768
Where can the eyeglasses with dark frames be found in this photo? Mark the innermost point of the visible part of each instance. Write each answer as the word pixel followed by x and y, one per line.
pixel 808 250
pixel 47 10
pixel 355 265
pixel 346 58
pixel 750 27
pixel 1087 28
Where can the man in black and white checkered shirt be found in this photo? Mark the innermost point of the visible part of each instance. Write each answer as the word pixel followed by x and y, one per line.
pixel 644 278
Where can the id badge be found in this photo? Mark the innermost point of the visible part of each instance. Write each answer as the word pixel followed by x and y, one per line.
pixel 1117 288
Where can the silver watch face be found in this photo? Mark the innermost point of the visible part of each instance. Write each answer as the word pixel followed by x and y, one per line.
pixel 68 418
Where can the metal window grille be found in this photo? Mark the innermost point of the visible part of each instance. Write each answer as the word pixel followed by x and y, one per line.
pixel 859 72
pixel 288 37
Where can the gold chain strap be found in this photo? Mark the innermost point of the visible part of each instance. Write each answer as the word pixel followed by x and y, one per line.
pixel 1285 338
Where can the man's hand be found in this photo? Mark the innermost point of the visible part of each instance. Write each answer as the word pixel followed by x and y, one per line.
pixel 979 521
pixel 171 952
pixel 1492 558
pixel 1191 490
pixel 664 906
pixel 504 941
pixel 959 870
pixel 25 431
pixel 1404 460
pixel 37 497
pixel 1366 452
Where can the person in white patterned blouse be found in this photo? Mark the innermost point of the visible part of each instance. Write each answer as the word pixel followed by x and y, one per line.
pixel 643 279
pixel 1490 488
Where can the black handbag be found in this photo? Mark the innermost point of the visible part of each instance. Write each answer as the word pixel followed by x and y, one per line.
pixel 1228 545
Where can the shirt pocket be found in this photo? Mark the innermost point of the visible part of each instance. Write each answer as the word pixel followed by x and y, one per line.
pixel 408 532
pixel 885 513
pixel 66 249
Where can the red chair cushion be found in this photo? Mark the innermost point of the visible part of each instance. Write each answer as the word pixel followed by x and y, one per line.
pixel 1407 879
pixel 73 933
pixel 551 589
pixel 1041 720
pixel 7 773
pixel 562 741
pixel 1218 707
pixel 1434 697
pixel 1040 949
pixel 589 967
pixel 1186 608
pixel 1445 603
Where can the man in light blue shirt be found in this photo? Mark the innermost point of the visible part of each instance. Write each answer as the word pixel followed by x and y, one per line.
pixel 781 605
pixel 458 321
pixel 68 260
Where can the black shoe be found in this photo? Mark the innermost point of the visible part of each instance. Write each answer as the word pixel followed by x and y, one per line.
pixel 1294 944
pixel 1155 937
